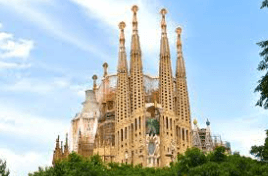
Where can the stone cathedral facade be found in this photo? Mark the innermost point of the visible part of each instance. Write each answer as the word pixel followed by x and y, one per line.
pixel 131 117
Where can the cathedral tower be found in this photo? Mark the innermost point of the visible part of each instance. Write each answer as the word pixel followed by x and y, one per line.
pixel 166 90
pixel 183 125
pixel 137 96
pixel 122 114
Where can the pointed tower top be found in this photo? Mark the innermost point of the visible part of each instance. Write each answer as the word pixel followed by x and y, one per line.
pixel 135 21
pixel 195 122
pixel 163 12
pixel 66 142
pixel 208 122
pixel 94 77
pixel 135 8
pixel 180 70
pixel 178 31
pixel 105 66
pixel 122 62
pixel 122 26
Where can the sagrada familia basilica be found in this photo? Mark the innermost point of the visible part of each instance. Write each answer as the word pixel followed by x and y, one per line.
pixel 134 118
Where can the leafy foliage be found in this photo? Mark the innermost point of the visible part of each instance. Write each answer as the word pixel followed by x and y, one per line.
pixel 261 152
pixel 264 4
pixel 193 162
pixel 3 171
pixel 262 86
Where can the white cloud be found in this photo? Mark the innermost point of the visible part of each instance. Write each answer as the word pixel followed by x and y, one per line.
pixel 32 11
pixel 27 125
pixel 242 132
pixel 20 164
pixel 37 85
pixel 7 65
pixel 11 47
pixel 111 12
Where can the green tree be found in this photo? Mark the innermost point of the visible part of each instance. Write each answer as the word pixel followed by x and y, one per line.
pixel 262 86
pixel 192 158
pixel 261 152
pixel 3 169
pixel 218 155
pixel 264 4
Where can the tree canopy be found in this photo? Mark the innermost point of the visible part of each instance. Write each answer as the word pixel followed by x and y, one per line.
pixel 193 162
pixel 262 86
pixel 261 152
pixel 3 169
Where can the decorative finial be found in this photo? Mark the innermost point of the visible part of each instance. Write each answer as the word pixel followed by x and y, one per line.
pixel 195 122
pixel 135 8
pixel 208 122
pixel 122 26
pixel 135 21
pixel 105 66
pixel 94 77
pixel 178 30
pixel 163 12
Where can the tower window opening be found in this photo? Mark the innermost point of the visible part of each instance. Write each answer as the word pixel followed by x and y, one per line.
pixel 122 134
pixel 135 124
pixel 183 137
pixel 125 132
pixel 170 124
pixel 139 122
pixel 167 122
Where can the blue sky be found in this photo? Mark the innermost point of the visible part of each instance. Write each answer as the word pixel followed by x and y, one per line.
pixel 49 50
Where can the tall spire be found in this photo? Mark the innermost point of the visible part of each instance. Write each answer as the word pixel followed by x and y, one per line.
pixel 163 12
pixel 136 72
pixel 183 105
pixel 66 147
pixel 165 72
pixel 105 66
pixel 122 60
pixel 122 94
pixel 180 70
pixel 122 97
pixel 94 77
pixel 182 97
pixel 57 155
pixel 135 21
